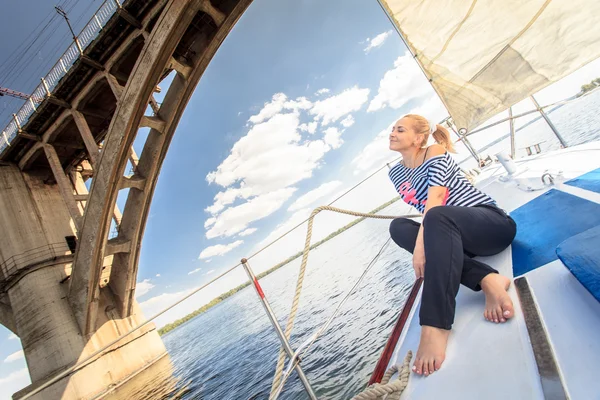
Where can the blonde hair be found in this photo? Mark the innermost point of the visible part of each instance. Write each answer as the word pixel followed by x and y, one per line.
pixel 440 134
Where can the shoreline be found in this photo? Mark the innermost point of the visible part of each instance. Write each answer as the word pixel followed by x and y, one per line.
pixel 177 323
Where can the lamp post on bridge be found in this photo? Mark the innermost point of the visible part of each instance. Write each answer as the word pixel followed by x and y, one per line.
pixel 63 13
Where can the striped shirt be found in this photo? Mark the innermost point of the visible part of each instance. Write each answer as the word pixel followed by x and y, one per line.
pixel 413 183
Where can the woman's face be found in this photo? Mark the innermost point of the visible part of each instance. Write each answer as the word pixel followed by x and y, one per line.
pixel 403 135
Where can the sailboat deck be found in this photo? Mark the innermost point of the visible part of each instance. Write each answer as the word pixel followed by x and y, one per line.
pixel 496 361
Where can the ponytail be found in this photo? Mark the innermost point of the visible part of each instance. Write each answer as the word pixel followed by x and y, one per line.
pixel 442 136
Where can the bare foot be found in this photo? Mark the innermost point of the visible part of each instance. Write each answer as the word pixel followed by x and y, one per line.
pixel 432 350
pixel 498 305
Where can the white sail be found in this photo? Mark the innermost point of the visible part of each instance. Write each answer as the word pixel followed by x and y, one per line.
pixel 482 56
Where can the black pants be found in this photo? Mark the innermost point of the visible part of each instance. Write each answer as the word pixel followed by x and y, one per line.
pixel 452 236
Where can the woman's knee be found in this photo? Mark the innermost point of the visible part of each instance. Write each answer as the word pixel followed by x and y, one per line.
pixel 399 225
pixel 404 232
pixel 436 215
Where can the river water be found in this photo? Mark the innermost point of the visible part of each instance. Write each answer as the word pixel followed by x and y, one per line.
pixel 230 351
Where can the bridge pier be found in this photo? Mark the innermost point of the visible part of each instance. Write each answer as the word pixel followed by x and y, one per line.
pixel 69 256
pixel 36 265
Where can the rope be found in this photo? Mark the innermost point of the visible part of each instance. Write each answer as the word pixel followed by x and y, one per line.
pixel 388 390
pixel 295 302
pixel 92 357
pixel 304 347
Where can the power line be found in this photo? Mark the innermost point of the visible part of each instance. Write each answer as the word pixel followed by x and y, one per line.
pixel 25 58
pixel 20 46
pixel 30 54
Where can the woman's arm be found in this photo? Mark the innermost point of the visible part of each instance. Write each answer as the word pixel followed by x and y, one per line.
pixel 435 198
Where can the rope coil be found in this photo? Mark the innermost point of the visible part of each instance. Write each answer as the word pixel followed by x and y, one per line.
pixel 387 390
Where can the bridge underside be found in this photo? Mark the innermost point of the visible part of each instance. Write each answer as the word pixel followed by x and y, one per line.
pixel 72 253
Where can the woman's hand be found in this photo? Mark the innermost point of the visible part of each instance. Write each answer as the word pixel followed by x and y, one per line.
pixel 419 260
pixel 419 255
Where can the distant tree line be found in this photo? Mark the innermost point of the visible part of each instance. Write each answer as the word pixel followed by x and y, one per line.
pixel 217 300
pixel 588 87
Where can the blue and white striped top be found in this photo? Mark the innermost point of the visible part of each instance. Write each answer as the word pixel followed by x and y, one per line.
pixel 413 183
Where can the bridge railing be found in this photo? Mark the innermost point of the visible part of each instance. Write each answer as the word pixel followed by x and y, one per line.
pixel 59 70
pixel 12 266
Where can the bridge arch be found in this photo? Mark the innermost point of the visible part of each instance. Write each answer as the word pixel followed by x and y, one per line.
pixel 184 39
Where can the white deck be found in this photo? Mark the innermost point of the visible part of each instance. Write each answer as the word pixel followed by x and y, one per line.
pixel 495 361
pixel 572 320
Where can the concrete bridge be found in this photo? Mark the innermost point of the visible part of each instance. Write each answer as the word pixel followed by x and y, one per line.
pixel 67 280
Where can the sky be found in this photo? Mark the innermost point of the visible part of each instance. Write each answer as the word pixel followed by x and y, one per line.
pixel 294 109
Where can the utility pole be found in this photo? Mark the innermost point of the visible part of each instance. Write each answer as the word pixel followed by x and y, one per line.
pixel 63 13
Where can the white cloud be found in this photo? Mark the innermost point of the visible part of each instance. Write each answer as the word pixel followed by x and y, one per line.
pixel 236 219
pixel 15 381
pixel 365 197
pixel 375 153
pixel 295 219
pixel 432 108
pixel 310 127
pixel 278 103
pixel 157 303
pixel 256 159
pixel 261 169
pixel 225 198
pixel 270 109
pixel 377 41
pixel 219 249
pixel 314 195
pixel 12 336
pixel 263 166
pixel 335 107
pixel 143 287
pixel 333 137
pixel 15 356
pixel 248 232
pixel 322 91
pixel 348 121
pixel 301 103
pixel 399 85
pixel 207 261
pixel 158 275
pixel 210 272
pixel 194 271
pixel 210 221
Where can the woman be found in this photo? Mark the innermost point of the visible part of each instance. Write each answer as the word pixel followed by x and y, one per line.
pixel 459 222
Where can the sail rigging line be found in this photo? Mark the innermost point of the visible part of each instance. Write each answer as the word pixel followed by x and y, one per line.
pixel 329 204
pixel 92 357
pixel 307 344
pixel 525 113
pixel 300 281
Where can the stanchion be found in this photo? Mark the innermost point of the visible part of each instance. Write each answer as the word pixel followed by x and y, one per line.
pixel 273 319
